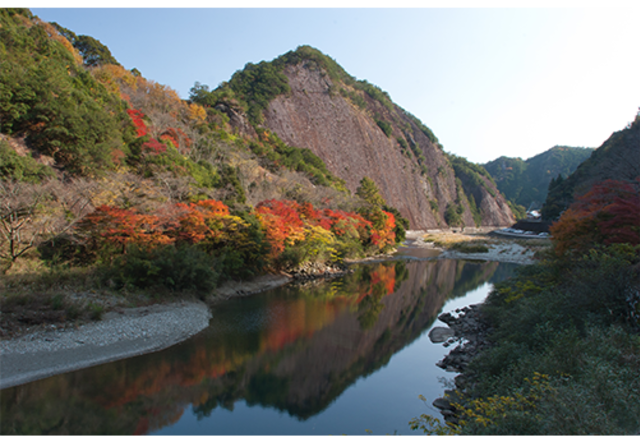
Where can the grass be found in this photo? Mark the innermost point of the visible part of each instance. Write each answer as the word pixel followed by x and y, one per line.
pixel 34 295
pixel 480 243
pixel 470 248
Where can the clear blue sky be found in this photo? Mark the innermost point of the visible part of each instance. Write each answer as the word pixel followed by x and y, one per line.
pixel 487 81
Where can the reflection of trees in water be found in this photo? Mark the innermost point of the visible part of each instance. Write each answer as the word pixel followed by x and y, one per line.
pixel 296 350
pixel 470 275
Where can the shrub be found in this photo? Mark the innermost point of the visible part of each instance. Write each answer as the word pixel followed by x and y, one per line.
pixel 385 126
pixel 15 167
pixel 608 214
pixel 470 248
pixel 174 267
pixel 574 321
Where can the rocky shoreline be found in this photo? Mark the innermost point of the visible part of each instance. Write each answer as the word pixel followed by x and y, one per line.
pixel 307 272
pixel 470 331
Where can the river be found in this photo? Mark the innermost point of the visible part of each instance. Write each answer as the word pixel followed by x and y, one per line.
pixel 345 356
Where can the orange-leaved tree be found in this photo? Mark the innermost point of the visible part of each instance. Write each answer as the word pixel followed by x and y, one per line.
pixel 235 241
pixel 608 214
pixel 383 227
pixel 282 222
pixel 110 228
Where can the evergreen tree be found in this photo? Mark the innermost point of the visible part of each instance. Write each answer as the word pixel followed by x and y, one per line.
pixel 369 192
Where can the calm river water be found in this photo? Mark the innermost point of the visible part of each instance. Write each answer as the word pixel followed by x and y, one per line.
pixel 346 356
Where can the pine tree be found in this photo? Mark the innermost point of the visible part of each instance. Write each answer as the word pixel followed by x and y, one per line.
pixel 369 192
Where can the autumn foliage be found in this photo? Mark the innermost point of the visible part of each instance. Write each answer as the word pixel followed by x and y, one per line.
pixel 111 228
pixel 288 223
pixel 138 122
pixel 608 214
pixel 278 233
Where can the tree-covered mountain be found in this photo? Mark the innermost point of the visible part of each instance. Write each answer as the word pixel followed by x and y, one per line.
pixel 617 159
pixel 266 171
pixel 526 182
pixel 100 165
pixel 309 101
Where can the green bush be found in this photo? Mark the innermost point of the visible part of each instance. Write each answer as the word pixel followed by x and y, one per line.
pixel 385 126
pixel 574 323
pixel 176 268
pixel 15 167
pixel 592 386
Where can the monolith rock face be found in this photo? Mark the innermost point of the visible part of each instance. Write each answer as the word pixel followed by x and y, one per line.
pixel 357 131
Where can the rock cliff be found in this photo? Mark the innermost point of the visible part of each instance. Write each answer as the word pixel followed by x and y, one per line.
pixel 357 131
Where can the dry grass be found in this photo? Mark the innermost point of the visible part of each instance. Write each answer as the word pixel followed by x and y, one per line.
pixel 34 296
pixel 448 240
pixel 462 241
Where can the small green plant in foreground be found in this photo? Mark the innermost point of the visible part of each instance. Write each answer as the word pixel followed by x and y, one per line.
pixel 481 414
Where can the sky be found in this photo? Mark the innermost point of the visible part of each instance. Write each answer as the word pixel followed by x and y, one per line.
pixel 489 81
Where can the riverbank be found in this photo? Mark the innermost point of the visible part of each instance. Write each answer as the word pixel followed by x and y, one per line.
pixel 124 332
pixel 121 333
pixel 472 246
pixel 551 351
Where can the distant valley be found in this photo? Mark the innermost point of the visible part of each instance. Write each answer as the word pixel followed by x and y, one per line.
pixel 526 182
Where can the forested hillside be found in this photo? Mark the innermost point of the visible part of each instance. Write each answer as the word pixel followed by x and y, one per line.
pixel 526 182
pixel 101 166
pixel 617 159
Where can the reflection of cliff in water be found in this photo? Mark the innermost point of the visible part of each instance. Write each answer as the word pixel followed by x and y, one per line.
pixel 295 349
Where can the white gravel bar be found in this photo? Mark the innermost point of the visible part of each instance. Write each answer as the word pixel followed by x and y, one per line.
pixel 118 335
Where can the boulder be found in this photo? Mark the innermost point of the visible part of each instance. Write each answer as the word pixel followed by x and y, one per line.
pixel 440 334
pixel 443 404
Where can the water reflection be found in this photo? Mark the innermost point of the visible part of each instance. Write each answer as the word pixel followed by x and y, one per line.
pixel 295 349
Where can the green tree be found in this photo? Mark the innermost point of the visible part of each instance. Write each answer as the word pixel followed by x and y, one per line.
pixel 453 215
pixel 369 192
pixel 93 52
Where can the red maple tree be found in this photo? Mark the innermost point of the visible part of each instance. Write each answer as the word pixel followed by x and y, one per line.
pixel 608 214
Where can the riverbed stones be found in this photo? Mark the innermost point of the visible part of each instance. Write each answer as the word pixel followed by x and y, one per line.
pixel 312 271
pixel 119 335
pixel 468 328
pixel 471 331
pixel 440 334
pixel 443 404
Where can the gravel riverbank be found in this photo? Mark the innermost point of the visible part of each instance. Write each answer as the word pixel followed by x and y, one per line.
pixel 121 334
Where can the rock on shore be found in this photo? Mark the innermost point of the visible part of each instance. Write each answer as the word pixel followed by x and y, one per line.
pixel 470 330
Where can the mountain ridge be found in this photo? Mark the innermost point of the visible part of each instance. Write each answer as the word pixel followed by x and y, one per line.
pixel 526 182
pixel 299 127
pixel 618 158
pixel 357 130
